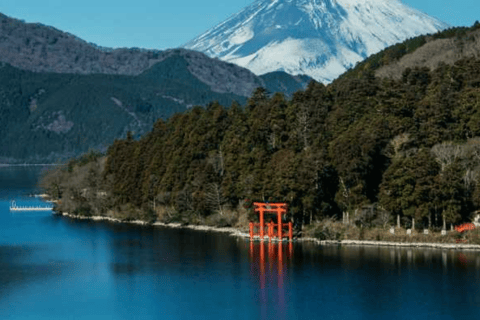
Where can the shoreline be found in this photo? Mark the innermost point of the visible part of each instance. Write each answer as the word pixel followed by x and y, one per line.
pixel 238 233
pixel 371 243
pixel 232 231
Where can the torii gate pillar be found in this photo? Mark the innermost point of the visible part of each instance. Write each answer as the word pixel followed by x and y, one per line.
pixel 279 208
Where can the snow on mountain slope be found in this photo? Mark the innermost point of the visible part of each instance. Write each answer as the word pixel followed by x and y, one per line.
pixel 319 38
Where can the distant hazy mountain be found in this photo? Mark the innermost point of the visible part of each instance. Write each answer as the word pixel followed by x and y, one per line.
pixel 319 38
pixel 40 48
pixel 61 96
pixel 46 117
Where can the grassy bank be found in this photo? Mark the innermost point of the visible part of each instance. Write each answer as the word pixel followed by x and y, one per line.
pixel 330 229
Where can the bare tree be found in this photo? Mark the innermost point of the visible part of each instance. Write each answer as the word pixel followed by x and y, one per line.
pixel 446 153
pixel 383 218
pixel 469 179
pixel 214 197
pixel 218 162
pixel 345 194
pixel 474 147
pixel 365 217
pixel 397 143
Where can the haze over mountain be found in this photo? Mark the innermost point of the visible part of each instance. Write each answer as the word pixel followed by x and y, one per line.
pixel 319 38
pixel 61 96
pixel 39 48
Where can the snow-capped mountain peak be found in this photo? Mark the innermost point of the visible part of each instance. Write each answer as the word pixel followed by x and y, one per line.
pixel 319 38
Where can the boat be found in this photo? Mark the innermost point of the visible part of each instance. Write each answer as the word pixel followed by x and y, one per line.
pixel 14 207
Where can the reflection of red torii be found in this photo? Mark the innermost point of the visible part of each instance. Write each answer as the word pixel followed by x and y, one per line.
pixel 277 208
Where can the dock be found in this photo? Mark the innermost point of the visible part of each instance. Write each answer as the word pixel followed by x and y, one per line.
pixel 14 207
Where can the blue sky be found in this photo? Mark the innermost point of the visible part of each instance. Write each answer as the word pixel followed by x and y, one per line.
pixel 160 24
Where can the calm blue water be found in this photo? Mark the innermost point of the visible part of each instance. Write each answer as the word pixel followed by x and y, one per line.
pixel 56 268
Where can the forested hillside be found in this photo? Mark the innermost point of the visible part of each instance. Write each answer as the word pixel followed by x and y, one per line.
pixel 46 117
pixel 61 96
pixel 372 147
pixel 428 50
pixel 49 116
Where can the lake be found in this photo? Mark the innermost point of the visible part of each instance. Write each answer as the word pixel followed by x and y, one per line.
pixel 54 267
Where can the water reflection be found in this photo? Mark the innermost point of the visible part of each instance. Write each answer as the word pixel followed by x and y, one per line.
pixel 271 275
pixel 381 281
pixel 151 249
pixel 18 181
pixel 20 266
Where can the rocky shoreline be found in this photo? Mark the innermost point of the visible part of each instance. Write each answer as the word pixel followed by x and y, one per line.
pixel 231 231
pixel 432 245
pixel 238 233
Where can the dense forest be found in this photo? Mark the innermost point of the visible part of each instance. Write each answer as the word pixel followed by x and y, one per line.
pixel 46 117
pixel 375 148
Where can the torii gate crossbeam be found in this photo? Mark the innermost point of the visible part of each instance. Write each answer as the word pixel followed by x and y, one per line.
pixel 276 208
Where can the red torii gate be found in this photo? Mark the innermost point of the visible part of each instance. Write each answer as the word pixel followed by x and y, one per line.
pixel 276 208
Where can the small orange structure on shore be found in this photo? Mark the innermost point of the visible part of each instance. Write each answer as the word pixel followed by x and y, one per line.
pixel 276 208
pixel 465 226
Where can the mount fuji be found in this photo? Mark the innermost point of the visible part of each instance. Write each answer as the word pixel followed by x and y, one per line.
pixel 319 38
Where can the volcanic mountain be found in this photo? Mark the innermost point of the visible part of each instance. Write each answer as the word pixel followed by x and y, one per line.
pixel 319 38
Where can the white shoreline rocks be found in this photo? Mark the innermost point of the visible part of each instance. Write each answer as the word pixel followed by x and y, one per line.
pixel 238 233
pixel 231 231
pixel 395 244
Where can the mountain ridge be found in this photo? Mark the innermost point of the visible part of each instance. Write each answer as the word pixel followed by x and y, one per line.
pixel 425 51
pixel 50 117
pixel 54 116
pixel 61 96
pixel 40 48
pixel 319 38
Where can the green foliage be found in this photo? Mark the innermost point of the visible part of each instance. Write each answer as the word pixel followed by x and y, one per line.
pixel 83 210
pixel 408 185
pixel 45 117
pixel 327 229
pixel 373 148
